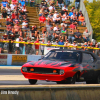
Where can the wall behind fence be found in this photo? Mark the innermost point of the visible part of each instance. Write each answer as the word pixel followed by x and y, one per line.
pixel 84 11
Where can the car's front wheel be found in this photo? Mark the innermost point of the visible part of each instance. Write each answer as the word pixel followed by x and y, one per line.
pixel 32 81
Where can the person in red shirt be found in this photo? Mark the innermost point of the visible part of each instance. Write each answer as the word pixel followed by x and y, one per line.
pixel 37 47
pixel 72 26
pixel 42 19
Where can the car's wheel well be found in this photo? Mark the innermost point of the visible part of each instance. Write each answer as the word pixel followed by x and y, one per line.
pixel 77 76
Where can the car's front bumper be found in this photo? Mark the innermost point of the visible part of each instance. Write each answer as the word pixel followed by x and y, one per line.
pixel 47 77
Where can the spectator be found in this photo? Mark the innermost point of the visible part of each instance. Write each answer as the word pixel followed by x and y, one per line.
pixel 4 14
pixel 41 11
pixel 81 20
pixel 60 3
pixel 37 46
pixel 26 2
pixel 17 50
pixel 74 45
pixel 71 36
pixel 72 26
pixel 32 3
pixel 8 10
pixel 28 48
pixel 12 6
pixel 50 34
pixel 77 35
pixel 46 11
pixel 22 2
pixel 67 2
pixel 96 51
pixel 42 47
pixel 44 3
pixel 42 19
pixel 77 3
pixel 61 43
pixel 4 4
pixel 49 43
pixel 50 17
pixel 51 8
pixel 33 32
pixel 21 45
pixel 86 35
pixel 57 31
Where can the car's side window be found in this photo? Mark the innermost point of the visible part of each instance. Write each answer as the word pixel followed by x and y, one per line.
pixel 87 58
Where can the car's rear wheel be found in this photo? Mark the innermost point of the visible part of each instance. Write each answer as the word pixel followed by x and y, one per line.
pixel 89 82
pixel 61 82
pixel 98 80
pixel 32 81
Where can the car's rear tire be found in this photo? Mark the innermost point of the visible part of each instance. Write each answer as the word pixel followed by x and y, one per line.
pixel 32 81
pixel 89 82
pixel 97 80
pixel 61 82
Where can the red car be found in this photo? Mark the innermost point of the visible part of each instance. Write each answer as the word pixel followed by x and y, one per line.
pixel 63 66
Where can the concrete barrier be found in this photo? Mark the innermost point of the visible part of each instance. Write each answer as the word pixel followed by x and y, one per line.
pixel 50 92
pixel 17 59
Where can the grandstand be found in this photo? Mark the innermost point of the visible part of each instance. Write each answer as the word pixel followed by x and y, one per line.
pixel 32 28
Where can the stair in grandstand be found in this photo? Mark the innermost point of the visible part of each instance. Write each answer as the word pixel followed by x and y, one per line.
pixel 32 16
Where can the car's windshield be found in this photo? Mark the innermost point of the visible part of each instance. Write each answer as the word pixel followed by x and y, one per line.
pixel 72 56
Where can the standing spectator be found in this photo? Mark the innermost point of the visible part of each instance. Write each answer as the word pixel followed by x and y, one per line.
pixel 67 2
pixel 37 46
pixel 60 3
pixel 77 3
pixel 61 43
pixel 42 47
pixel 28 48
pixel 86 35
pixel 17 50
pixel 32 3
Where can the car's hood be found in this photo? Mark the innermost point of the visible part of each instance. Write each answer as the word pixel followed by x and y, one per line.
pixel 47 63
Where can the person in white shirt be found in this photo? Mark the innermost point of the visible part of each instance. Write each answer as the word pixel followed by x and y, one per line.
pixel 12 6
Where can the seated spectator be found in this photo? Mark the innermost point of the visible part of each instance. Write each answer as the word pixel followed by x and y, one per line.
pixel 24 9
pixel 20 6
pixel 60 3
pixel 44 3
pixel 16 20
pixel 55 16
pixel 33 32
pixel 64 33
pixel 50 17
pixel 4 14
pixel 16 29
pixel 81 20
pixel 49 43
pixel 61 43
pixel 65 16
pixel 42 19
pixel 65 8
pixel 74 9
pixel 46 11
pixel 72 26
pixel 15 1
pixel 70 13
pixel 4 4
pixel 57 19
pixel 50 34
pixel 57 31
pixel 77 35
pixel 24 24
pixel 22 2
pixel 71 36
pixel 12 6
pixel 8 10
pixel 51 8
pixel 41 11
pixel 86 35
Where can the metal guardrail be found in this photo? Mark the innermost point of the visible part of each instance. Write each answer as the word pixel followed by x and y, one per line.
pixel 84 11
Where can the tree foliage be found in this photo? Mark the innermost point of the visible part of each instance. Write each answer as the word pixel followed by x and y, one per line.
pixel 93 9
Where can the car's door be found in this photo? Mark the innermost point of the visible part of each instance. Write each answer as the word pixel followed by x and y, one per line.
pixel 88 63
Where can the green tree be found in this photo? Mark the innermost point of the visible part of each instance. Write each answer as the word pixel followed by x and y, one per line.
pixel 93 10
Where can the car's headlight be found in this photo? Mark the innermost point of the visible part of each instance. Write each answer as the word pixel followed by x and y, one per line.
pixel 24 69
pixel 61 72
